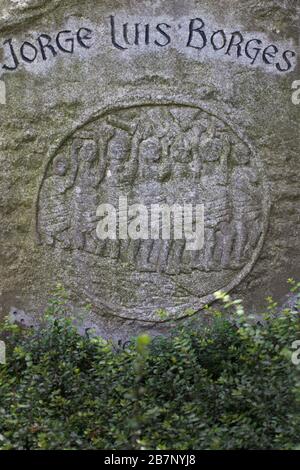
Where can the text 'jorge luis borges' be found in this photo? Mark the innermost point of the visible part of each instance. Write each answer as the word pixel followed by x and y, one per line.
pixel 191 36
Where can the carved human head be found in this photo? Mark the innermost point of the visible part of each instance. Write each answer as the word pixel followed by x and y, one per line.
pixel 88 151
pixel 60 165
pixel 241 154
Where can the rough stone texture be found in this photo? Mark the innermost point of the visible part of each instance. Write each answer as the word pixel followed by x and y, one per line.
pixel 158 123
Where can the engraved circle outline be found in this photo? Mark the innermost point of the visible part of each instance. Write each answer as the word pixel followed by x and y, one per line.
pixel 187 102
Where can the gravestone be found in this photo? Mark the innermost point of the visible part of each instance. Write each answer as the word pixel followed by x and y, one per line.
pixel 110 110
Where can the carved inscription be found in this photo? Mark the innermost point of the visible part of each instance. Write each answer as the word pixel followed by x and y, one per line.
pixel 194 36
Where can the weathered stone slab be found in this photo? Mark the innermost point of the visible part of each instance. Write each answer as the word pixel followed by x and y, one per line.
pixel 166 103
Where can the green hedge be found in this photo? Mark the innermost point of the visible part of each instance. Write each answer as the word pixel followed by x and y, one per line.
pixel 231 384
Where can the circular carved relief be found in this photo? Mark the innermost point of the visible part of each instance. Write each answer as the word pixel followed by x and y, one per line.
pixel 153 154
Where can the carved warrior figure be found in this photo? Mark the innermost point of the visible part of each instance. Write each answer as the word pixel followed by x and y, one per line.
pixel 85 191
pixel 245 204
pixel 238 232
pixel 54 215
pixel 214 183
pixel 155 155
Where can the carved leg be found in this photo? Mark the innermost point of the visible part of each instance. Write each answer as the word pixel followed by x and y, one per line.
pixel 164 255
pixel 144 263
pixel 241 239
pixel 133 248
pixel 209 247
pixel 176 257
pixel 228 239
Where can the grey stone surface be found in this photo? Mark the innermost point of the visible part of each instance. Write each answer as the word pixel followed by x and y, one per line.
pixel 188 103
